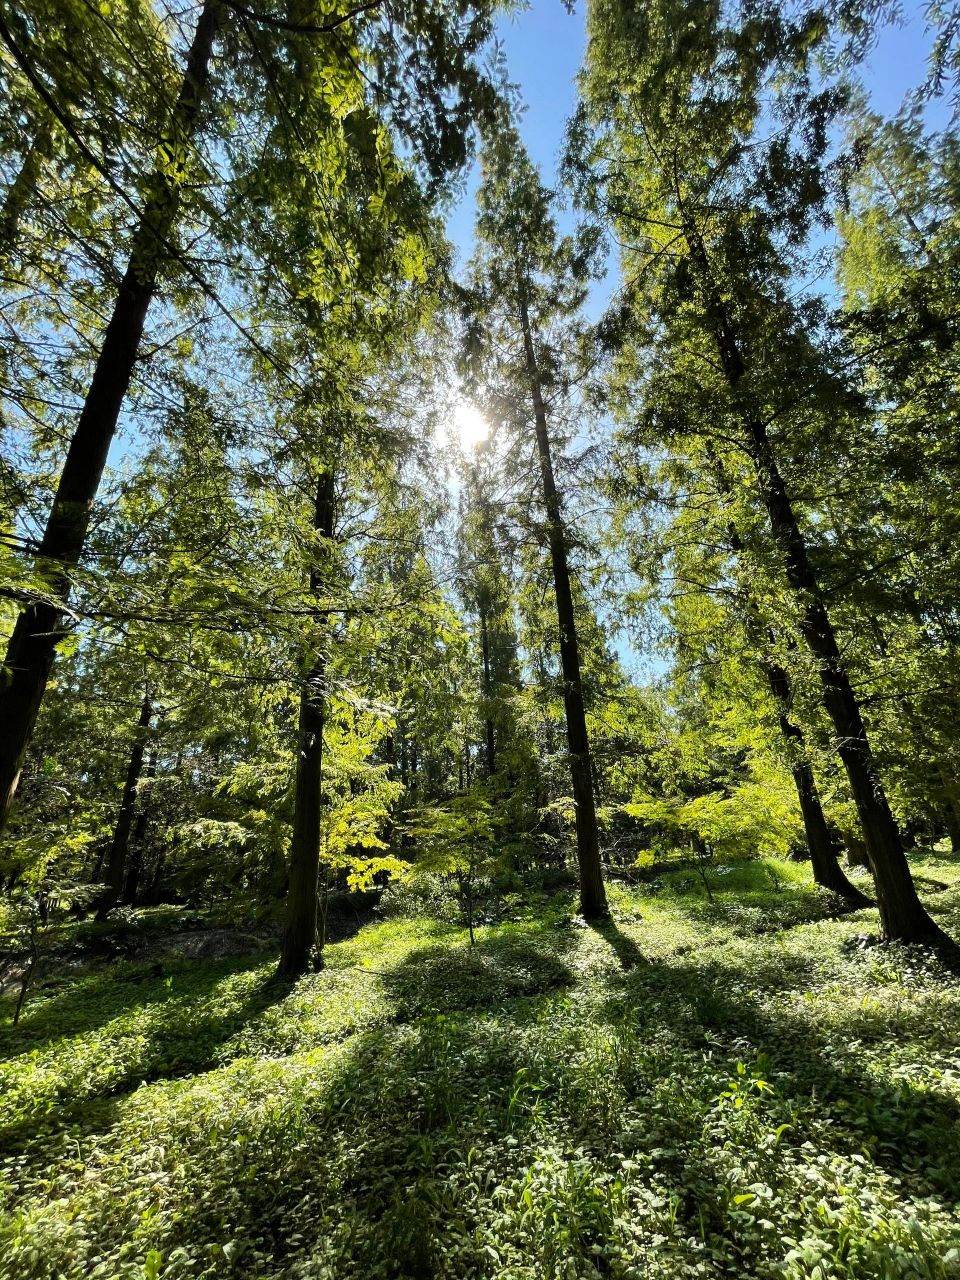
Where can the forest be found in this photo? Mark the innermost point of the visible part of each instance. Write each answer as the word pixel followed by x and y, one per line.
pixel 480 705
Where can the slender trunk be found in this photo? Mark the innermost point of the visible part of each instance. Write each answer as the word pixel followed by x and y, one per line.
pixel 300 926
pixel 487 685
pixel 948 810
pixel 950 817
pixel 31 649
pixel 902 914
pixel 701 857
pixel 323 906
pixel 827 871
pixel 28 974
pixel 131 886
pixel 117 860
pixel 593 899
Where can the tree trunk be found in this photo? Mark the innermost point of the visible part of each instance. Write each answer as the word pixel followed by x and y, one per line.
pixel 951 821
pixel 948 810
pixel 593 899
pixel 902 914
pixel 827 871
pixel 491 742
pixel 117 860
pixel 131 886
pixel 300 925
pixel 30 652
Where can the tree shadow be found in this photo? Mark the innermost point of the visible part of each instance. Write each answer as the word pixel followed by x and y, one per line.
pixel 758 911
pixel 511 963
pixel 910 1131
pixel 109 991
pixel 478 1099
pixel 625 948
pixel 172 1030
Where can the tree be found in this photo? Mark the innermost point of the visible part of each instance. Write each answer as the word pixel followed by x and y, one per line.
pixel 323 92
pixel 717 216
pixel 300 925
pixel 32 646
pixel 531 284
pixel 457 839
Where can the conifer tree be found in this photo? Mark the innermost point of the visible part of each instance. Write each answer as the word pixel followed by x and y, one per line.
pixel 713 213
pixel 291 90
pixel 530 284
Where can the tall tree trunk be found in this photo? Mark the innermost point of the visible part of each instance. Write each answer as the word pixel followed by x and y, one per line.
pixel 902 914
pixel 30 652
pixel 827 871
pixel 300 925
pixel 950 816
pixel 118 858
pixel 131 886
pixel 593 899
pixel 487 688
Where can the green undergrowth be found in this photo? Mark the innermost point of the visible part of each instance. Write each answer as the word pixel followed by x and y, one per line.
pixel 737 1088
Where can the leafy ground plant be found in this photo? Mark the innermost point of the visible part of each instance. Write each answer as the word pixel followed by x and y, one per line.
pixel 692 1089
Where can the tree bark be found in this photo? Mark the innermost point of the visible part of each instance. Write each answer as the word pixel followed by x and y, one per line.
pixel 487 687
pixel 902 914
pixel 131 886
pixel 300 925
pixel 827 871
pixel 951 822
pixel 118 858
pixel 31 650
pixel 593 898
pixel 948 810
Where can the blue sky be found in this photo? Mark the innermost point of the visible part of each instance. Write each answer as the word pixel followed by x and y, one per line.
pixel 544 47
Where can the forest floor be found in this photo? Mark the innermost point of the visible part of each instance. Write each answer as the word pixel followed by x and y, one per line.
pixel 742 1088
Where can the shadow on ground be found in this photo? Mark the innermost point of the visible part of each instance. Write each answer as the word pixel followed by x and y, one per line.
pixel 499 1097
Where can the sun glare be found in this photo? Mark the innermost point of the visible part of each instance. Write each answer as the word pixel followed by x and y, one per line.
pixel 470 426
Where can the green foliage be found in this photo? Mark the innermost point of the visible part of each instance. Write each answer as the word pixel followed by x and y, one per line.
pixel 457 840
pixel 723 1079
pixel 752 820
pixel 676 1093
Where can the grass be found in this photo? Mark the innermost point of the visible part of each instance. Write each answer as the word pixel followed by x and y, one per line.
pixel 737 1089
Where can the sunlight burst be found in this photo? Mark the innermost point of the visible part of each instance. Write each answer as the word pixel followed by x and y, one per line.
pixel 470 426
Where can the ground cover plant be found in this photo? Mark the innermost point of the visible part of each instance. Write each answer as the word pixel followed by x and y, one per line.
pixel 734 1088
